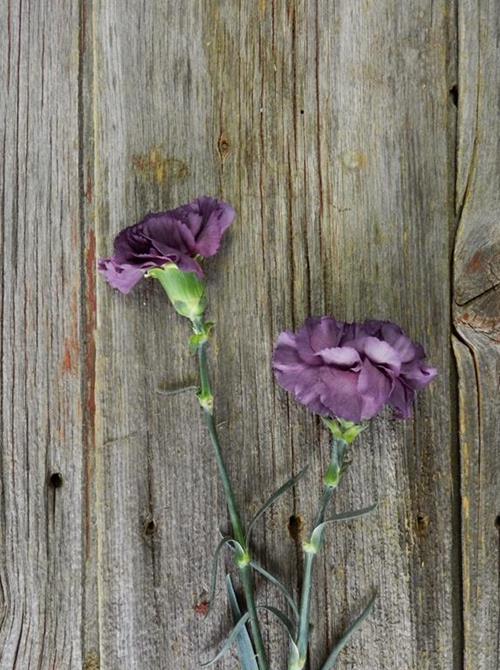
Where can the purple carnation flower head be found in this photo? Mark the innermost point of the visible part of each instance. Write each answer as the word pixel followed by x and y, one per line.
pixel 351 371
pixel 178 236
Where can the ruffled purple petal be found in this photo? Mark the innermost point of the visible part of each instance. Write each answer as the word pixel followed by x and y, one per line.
pixel 407 349
pixel 310 391
pixel 340 394
pixel 303 344
pixel 342 357
pixel 285 353
pixel 132 247
pixel 168 235
pixel 379 352
pixel 296 377
pixel 375 387
pixel 367 328
pixel 122 277
pixel 207 219
pixel 323 333
pixel 418 376
pixel 402 399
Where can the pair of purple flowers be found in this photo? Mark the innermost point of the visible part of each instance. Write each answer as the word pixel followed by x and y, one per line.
pixel 340 370
pixel 345 372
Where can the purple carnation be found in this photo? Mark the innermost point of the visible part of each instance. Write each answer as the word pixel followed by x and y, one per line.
pixel 178 236
pixel 351 371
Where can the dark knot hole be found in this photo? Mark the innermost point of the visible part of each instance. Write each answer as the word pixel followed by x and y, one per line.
pixel 150 526
pixel 295 527
pixel 55 480
pixel 454 94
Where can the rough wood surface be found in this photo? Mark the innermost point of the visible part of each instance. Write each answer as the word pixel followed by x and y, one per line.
pixel 43 367
pixel 477 324
pixel 332 127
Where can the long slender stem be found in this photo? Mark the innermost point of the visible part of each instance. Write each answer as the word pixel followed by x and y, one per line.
pixel 238 530
pixel 237 525
pixel 305 598
pixel 332 480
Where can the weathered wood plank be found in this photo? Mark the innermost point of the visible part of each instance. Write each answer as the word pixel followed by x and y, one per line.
pixel 477 323
pixel 43 362
pixel 158 504
pixel 384 175
pixel 326 125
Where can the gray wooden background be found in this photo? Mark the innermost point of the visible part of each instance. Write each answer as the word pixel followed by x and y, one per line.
pixel 359 143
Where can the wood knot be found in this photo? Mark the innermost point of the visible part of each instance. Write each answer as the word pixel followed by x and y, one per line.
pixel 354 160
pixel 91 661
pixel 482 323
pixel 154 166
pixel 201 608
pixel 423 522
pixel 296 527
pixel 223 146
pixel 149 526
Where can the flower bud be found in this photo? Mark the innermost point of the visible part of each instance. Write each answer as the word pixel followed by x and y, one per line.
pixel 185 290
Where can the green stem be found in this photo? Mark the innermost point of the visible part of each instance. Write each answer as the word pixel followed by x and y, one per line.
pixel 305 598
pixel 238 530
pixel 206 397
pixel 338 453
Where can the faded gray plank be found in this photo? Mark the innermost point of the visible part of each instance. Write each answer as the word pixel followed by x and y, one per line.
pixel 43 361
pixel 383 226
pixel 326 125
pixel 477 322
pixel 157 496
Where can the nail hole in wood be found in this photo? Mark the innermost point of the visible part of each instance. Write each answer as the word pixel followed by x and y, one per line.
pixel 295 527
pixel 301 111
pixel 55 480
pixel 454 94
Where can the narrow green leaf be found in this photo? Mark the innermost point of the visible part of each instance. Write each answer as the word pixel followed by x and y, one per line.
pixel 331 660
pixel 277 494
pixel 274 580
pixel 347 516
pixel 213 581
pixel 246 651
pixel 294 656
pixel 317 533
pixel 230 641
pixel 282 617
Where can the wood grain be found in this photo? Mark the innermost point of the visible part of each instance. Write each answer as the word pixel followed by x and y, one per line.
pixel 477 324
pixel 361 191
pixel 43 364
